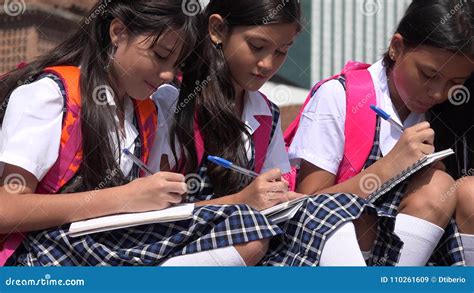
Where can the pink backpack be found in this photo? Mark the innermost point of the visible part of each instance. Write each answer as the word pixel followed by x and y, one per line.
pixel 359 126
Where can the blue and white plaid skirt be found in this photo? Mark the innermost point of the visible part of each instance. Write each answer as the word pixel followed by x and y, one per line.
pixel 211 227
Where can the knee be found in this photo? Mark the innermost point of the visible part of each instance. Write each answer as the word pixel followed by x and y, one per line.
pixel 434 196
pixel 253 252
pixel 465 196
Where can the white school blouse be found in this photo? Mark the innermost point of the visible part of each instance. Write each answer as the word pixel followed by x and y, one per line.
pixel 320 138
pixel 31 132
pixel 255 105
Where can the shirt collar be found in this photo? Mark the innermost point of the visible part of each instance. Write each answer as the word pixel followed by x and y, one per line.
pixel 255 105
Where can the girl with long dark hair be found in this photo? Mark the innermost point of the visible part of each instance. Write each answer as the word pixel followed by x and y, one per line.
pixel 430 53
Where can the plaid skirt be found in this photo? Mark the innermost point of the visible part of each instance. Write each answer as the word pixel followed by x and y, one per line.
pixel 304 235
pixel 211 227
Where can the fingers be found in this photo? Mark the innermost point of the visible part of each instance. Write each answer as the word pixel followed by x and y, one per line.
pixel 426 136
pixel 272 175
pixel 174 198
pixel 427 149
pixel 170 176
pixel 419 127
pixel 294 195
pixel 178 188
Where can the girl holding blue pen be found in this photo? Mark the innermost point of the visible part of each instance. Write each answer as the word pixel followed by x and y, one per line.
pixel 354 149
pixel 241 49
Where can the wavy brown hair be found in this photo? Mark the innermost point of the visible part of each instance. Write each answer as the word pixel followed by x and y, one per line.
pixel 214 102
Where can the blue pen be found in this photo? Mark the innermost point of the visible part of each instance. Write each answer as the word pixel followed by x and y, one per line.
pixel 387 117
pixel 229 165
pixel 138 162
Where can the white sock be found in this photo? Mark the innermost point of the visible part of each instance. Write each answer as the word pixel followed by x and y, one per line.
pixel 221 257
pixel 341 248
pixel 420 238
pixel 366 254
pixel 468 244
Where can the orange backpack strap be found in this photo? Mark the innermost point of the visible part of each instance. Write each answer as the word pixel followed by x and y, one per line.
pixel 70 150
pixel 147 117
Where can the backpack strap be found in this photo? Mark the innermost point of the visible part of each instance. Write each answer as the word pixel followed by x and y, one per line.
pixel 360 123
pixel 359 133
pixel 263 136
pixel 70 151
pixel 147 118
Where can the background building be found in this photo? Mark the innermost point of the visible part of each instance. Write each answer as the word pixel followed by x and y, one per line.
pixel 33 27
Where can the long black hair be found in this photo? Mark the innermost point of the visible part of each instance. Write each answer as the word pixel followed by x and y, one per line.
pixel 207 92
pixel 90 48
pixel 447 25
pixel 453 122
pixel 444 24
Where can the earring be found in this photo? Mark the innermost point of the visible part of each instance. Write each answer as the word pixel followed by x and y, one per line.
pixel 111 56
pixel 218 45
pixel 392 55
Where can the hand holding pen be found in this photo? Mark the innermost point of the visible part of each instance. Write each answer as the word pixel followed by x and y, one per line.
pixel 267 190
pixel 154 192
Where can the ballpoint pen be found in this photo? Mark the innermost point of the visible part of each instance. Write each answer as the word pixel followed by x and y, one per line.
pixel 138 162
pixel 229 165
pixel 387 117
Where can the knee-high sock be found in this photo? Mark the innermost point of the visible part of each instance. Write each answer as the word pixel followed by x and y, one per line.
pixel 341 248
pixel 420 238
pixel 468 244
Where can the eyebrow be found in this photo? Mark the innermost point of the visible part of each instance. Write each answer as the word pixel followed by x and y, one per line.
pixel 433 69
pixel 270 41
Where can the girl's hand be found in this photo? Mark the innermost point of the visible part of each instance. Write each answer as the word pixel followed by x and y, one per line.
pixel 155 192
pixel 266 191
pixel 415 143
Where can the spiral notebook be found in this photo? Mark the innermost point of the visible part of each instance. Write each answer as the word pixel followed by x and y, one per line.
pixel 425 161
pixel 102 224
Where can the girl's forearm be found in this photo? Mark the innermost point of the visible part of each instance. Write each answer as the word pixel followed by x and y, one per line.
pixel 30 212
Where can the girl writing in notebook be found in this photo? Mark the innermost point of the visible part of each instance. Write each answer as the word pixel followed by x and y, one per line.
pixel 425 60
pixel 221 113
pixel 63 132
